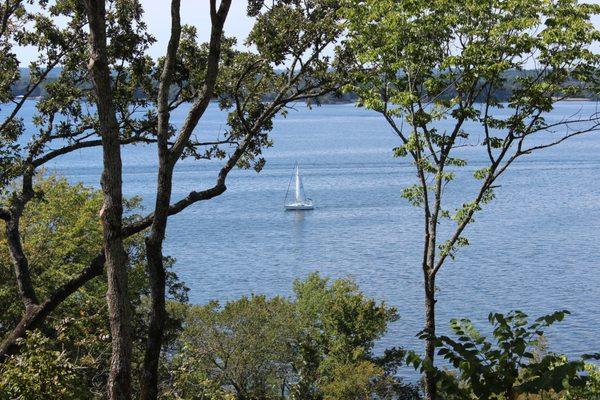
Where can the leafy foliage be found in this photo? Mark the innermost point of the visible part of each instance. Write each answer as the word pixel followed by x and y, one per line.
pixel 57 31
pixel 41 371
pixel 415 62
pixel 338 331
pixel 591 390
pixel 508 366
pixel 244 345
pixel 61 232
pixel 318 346
pixel 421 62
pixel 433 70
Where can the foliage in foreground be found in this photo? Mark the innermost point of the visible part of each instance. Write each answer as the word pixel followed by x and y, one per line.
pixel 70 353
pixel 513 365
pixel 433 69
pixel 317 346
pixel 41 370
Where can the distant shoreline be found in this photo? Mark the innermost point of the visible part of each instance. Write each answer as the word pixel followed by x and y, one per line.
pixel 341 101
pixel 578 99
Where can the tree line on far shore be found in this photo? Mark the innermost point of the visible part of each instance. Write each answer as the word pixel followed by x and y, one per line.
pixel 502 93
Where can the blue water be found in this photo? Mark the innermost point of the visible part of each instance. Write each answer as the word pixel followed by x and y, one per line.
pixel 536 247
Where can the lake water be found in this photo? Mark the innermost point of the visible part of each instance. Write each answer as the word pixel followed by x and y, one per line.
pixel 535 248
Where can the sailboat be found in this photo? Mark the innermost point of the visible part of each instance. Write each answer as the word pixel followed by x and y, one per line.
pixel 298 201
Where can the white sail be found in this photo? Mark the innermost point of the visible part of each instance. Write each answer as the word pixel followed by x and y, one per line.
pixel 300 196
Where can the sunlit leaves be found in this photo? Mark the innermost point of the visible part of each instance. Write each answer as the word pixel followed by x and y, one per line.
pixel 61 233
pixel 318 345
pixel 466 211
pixel 449 247
pixel 291 63
pixel 57 31
pixel 400 151
pixel 481 173
pixel 414 194
pixel 278 31
pixel 456 162
pixel 41 370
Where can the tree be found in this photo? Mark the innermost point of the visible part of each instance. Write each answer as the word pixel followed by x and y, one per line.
pixel 291 36
pixel 61 124
pixel 246 345
pixel 318 345
pixel 61 232
pixel 421 62
pixel 339 327
pixel 119 379
pixel 122 80
pixel 168 157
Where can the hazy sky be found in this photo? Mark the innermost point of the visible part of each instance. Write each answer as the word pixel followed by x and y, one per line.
pixel 193 12
pixel 196 12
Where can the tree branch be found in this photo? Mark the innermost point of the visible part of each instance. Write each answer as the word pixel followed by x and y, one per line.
pixel 212 67
pixel 5 214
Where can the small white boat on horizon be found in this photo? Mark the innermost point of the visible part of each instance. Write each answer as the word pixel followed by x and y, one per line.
pixel 299 201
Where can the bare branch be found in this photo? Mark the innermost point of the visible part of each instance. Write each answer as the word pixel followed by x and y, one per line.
pixel 83 145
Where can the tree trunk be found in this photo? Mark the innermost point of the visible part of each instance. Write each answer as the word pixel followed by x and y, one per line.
pixel 167 160
pixel 429 272
pixel 154 242
pixel 429 329
pixel 119 313
pixel 157 275
pixel 119 380
pixel 156 272
pixel 20 262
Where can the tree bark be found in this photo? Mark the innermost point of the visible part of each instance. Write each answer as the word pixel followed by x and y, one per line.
pixel 429 330
pixel 20 262
pixel 119 380
pixel 154 242
pixel 157 275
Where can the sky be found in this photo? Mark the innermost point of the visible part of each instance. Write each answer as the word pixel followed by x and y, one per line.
pixel 193 12
pixel 196 12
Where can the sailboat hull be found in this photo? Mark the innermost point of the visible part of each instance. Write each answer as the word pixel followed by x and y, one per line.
pixel 299 207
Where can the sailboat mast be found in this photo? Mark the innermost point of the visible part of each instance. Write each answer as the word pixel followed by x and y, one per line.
pixel 297 185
